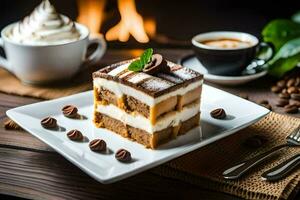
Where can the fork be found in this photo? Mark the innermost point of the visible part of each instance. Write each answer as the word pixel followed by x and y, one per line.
pixel 241 168
pixel 281 170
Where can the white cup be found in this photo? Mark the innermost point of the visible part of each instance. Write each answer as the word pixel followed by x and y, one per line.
pixel 40 64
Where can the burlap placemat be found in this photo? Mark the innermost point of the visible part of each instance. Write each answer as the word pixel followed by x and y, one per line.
pixel 204 167
pixel 11 85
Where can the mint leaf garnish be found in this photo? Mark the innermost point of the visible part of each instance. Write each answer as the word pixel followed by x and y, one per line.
pixel 135 66
pixel 138 65
pixel 146 56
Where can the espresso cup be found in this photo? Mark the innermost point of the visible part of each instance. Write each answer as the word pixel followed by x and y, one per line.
pixel 228 60
pixel 43 64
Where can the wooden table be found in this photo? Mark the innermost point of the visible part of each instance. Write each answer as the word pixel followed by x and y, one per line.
pixel 31 169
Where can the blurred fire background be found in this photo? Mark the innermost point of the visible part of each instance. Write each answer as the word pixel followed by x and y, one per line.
pixel 162 23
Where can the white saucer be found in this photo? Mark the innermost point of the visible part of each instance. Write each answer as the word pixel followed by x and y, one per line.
pixel 192 62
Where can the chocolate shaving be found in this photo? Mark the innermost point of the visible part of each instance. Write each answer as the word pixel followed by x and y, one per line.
pixel 70 111
pixel 75 135
pixel 49 123
pixel 97 145
pixel 156 65
pixel 123 155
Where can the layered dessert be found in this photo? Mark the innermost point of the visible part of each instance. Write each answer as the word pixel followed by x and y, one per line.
pixel 44 26
pixel 148 100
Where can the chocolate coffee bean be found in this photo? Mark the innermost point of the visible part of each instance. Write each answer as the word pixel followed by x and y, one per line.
pixel 11 125
pixel 75 135
pixel 276 89
pixel 295 103
pixel 297 82
pixel 290 109
pixel 295 96
pixel 282 102
pixel 70 111
pixel 263 101
pixel 291 82
pixel 49 123
pixel 97 145
pixel 218 113
pixel 284 95
pixel 292 90
pixel 123 155
pixel 281 83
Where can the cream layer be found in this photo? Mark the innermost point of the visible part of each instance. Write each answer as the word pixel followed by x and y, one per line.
pixel 120 89
pixel 170 119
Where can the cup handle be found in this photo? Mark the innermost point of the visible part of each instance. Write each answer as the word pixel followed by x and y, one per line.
pixel 99 51
pixel 269 51
pixel 259 62
pixel 3 61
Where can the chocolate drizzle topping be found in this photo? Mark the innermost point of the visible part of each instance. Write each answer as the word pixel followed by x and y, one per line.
pixel 49 123
pixel 70 111
pixel 156 65
pixel 97 145
pixel 218 113
pixel 75 135
pixel 123 155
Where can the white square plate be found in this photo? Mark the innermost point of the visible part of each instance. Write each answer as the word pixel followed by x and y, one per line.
pixel 104 167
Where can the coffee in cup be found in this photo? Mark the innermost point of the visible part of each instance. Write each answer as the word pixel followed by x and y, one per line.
pixel 225 52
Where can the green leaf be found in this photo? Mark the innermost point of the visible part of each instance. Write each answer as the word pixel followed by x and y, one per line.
pixel 136 66
pixel 296 17
pixel 280 67
pixel 286 58
pixel 146 56
pixel 279 31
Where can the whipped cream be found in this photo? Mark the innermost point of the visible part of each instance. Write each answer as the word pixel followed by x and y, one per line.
pixel 44 26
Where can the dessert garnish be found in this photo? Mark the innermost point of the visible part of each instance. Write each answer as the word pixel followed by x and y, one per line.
pixel 11 125
pixel 218 113
pixel 97 145
pixel 149 63
pixel 49 123
pixel 70 111
pixel 75 135
pixel 123 155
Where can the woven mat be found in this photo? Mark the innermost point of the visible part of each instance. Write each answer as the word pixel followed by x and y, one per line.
pixel 11 85
pixel 198 167
pixel 205 166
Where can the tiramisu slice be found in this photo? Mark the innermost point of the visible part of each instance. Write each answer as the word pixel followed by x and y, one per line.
pixel 148 100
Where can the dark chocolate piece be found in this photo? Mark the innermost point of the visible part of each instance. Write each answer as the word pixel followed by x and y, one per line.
pixel 70 111
pixel 218 113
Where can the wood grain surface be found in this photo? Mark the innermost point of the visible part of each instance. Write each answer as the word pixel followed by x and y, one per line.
pixel 31 169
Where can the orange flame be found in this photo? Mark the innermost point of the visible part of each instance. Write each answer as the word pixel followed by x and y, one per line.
pixel 91 13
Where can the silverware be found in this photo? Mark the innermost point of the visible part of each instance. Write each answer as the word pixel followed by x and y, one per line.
pixel 283 169
pixel 241 168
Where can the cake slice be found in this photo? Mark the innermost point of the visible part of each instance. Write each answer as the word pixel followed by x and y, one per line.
pixel 151 106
